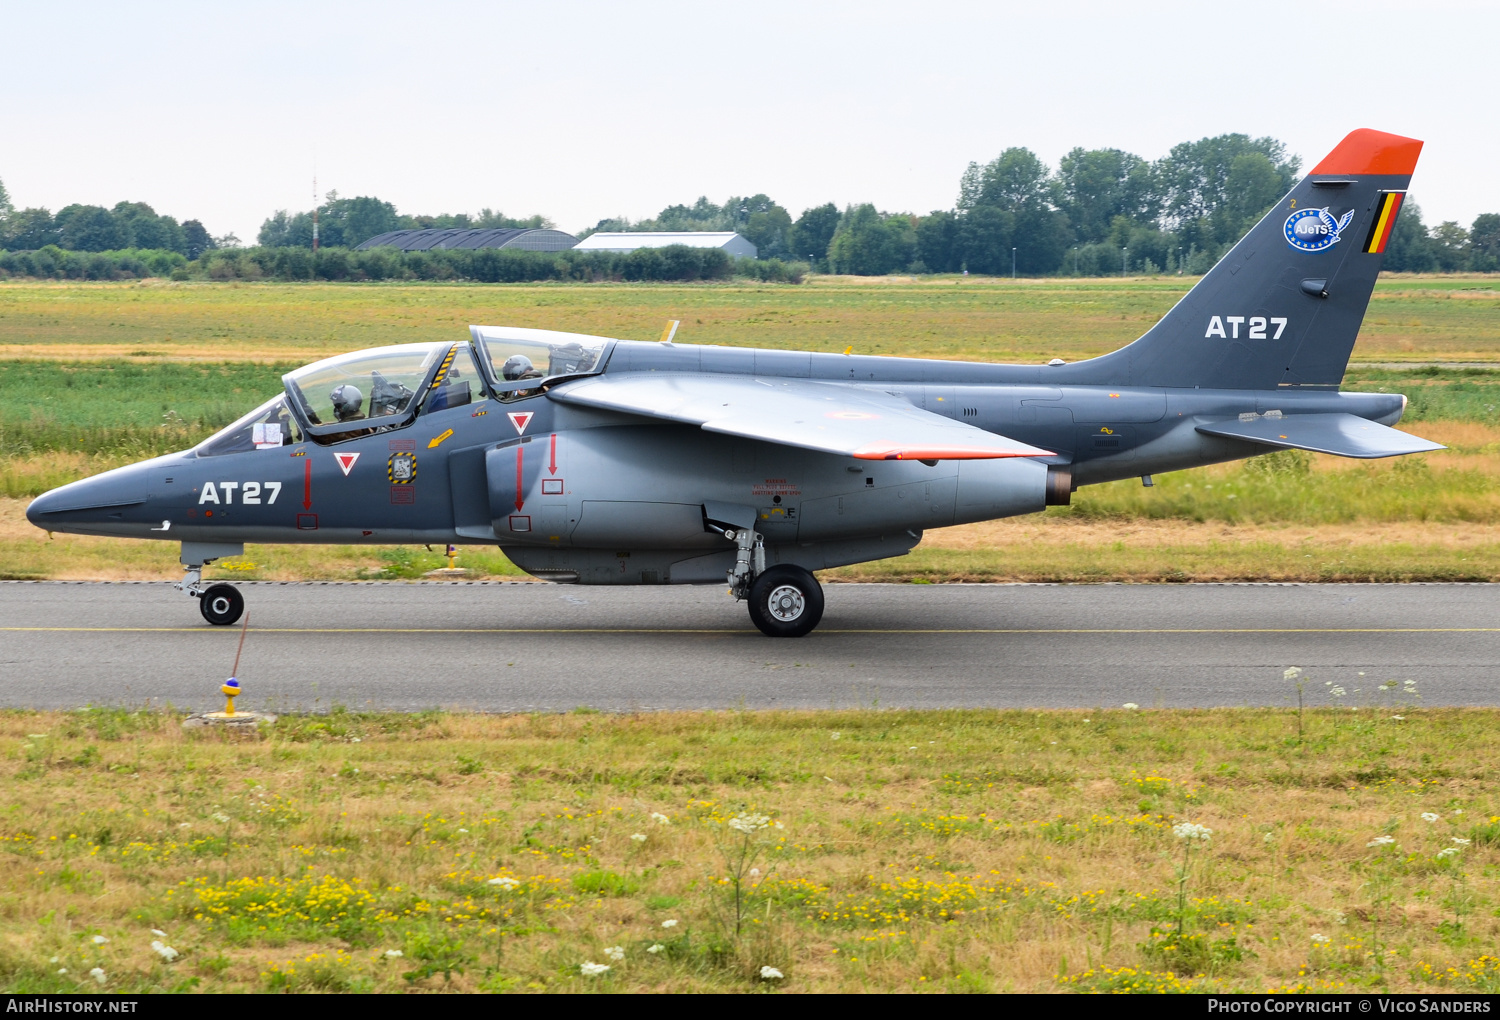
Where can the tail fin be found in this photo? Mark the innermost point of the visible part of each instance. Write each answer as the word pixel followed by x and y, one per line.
pixel 1283 308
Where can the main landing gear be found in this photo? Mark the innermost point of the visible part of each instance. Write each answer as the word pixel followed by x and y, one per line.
pixel 784 601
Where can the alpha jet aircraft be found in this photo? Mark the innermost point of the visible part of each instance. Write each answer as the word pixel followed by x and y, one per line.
pixel 597 461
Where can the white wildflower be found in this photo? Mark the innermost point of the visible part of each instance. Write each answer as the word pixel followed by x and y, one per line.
pixel 1292 673
pixel 99 940
pixel 754 872
pixel 185 825
pixel 669 923
pixel 656 948
pixel 1429 817
pixel 639 837
pixel 163 950
pixel 615 953
pixel 1460 841
pixel 1337 691
pixel 505 882
pixel 354 740
pixel 1131 705
pixel 53 960
pixel 62 970
pixel 1451 851
pixel 771 974
pixel 1191 831
pixel 912 748
pixel 97 973
pixel 1458 811
pixel 394 954
pixel 158 932
pixel 1269 837
pixel 220 817
pixel 1088 720
pixel 593 969
pixel 748 823
pixel 463 830
pixel 1381 841
pixel 1320 940
pixel 1399 718
pixel 660 819
pixel 836 734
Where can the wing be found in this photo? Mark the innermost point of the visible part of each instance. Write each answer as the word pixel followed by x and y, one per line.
pixel 860 423
pixel 1345 435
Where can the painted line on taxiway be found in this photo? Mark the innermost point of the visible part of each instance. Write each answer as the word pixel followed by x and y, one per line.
pixel 706 630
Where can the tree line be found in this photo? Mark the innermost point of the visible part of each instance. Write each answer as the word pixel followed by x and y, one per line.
pixel 1098 212
pixel 93 228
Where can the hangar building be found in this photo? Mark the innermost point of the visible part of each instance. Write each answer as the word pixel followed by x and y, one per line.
pixel 526 239
pixel 728 240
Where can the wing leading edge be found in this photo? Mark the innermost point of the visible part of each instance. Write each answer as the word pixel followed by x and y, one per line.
pixel 859 423
pixel 1345 435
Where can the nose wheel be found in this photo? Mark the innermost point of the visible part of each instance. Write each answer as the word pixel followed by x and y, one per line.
pixel 221 604
pixel 785 601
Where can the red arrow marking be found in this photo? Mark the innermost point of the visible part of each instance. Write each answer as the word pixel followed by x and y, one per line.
pixel 552 468
pixel 519 455
pixel 307 484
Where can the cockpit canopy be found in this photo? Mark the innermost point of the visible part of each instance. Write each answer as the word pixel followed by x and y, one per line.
pixel 385 388
pixel 521 360
pixel 365 386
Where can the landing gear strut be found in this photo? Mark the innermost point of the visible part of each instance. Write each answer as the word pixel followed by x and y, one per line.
pixel 784 601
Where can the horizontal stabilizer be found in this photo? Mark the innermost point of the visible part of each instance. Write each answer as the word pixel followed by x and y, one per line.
pixel 1344 435
pixel 860 423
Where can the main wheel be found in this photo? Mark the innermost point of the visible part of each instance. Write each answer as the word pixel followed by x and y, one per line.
pixel 221 605
pixel 786 601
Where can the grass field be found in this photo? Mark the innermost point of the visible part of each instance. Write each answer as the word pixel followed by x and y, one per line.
pixel 97 375
pixel 1448 318
pixel 901 850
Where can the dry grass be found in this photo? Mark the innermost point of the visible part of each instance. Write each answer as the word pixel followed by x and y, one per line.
pixel 948 851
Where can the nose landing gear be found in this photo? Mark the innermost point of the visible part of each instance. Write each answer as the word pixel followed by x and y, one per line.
pixel 784 600
pixel 220 604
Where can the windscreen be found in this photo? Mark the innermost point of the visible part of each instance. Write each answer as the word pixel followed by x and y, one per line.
pixel 270 426
pixel 522 359
pixel 366 385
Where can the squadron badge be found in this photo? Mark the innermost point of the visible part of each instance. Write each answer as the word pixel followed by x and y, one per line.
pixel 1315 229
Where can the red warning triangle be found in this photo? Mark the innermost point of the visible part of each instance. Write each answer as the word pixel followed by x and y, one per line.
pixel 346 461
pixel 520 419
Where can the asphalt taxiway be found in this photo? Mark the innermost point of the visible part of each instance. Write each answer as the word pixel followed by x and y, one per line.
pixel 532 646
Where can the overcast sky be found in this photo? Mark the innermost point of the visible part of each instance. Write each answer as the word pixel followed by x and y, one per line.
pixel 581 110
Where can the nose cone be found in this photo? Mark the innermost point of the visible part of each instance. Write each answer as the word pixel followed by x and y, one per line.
pixel 100 505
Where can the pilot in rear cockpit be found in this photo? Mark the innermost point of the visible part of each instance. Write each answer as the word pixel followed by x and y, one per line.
pixel 517 367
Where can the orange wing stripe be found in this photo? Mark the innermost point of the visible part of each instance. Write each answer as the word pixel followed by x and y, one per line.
pixel 899 451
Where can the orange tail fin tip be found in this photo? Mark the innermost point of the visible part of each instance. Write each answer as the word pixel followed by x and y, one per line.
pixel 1366 151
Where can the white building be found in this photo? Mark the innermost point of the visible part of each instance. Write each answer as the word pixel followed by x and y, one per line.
pixel 728 240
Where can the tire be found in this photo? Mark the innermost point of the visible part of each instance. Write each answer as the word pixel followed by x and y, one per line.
pixel 786 601
pixel 221 604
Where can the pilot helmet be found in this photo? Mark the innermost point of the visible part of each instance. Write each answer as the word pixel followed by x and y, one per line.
pixel 346 400
pixel 517 366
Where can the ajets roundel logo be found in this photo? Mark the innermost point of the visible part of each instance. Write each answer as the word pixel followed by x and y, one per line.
pixel 1315 229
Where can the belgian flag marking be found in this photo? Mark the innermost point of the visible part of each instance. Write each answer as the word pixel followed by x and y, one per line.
pixel 1385 219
